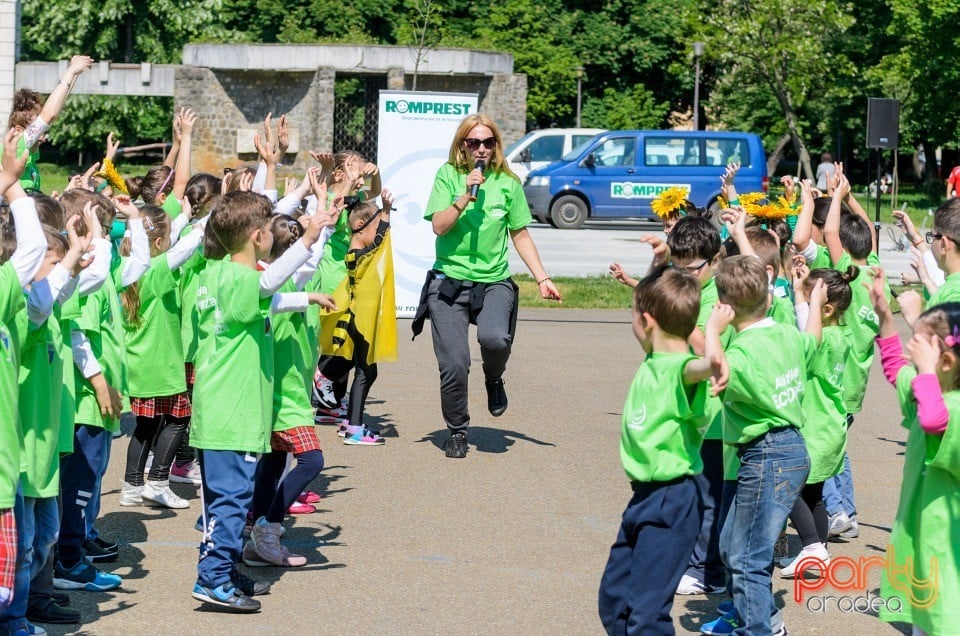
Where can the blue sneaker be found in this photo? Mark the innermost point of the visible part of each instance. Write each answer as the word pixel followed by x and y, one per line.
pixel 83 576
pixel 226 596
pixel 23 627
pixel 725 606
pixel 723 625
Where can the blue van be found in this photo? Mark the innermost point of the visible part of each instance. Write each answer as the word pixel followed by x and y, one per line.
pixel 616 174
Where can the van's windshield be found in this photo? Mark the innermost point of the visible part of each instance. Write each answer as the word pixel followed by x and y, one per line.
pixel 576 152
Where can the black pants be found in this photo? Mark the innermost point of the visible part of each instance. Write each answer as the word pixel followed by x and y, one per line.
pixel 161 434
pixel 338 369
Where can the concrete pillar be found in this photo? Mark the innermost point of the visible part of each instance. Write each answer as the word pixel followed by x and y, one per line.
pixel 506 101
pixel 9 52
pixel 396 80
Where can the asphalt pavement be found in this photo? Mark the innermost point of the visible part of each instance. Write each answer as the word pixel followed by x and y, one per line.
pixel 511 540
pixel 589 251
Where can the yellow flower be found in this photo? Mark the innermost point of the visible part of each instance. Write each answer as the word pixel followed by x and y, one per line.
pixel 768 212
pixel 669 202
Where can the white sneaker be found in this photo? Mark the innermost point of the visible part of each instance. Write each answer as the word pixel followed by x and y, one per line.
pixel 690 586
pixel 149 464
pixel 131 495
pixel 158 493
pixel 854 530
pixel 839 523
pixel 815 551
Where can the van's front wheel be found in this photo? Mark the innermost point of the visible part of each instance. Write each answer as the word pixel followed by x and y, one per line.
pixel 568 212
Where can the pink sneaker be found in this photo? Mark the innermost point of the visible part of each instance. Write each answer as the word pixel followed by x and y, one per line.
pixel 188 473
pixel 330 416
pixel 301 509
pixel 363 437
pixel 309 497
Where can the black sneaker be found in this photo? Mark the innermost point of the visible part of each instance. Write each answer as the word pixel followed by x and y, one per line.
pixel 52 613
pixel 248 586
pixel 60 599
pixel 456 446
pixel 227 597
pixel 496 397
pixel 109 546
pixel 97 553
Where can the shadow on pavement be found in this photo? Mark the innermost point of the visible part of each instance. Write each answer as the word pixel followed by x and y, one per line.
pixel 484 439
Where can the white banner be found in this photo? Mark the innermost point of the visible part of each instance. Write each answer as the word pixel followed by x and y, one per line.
pixel 414 135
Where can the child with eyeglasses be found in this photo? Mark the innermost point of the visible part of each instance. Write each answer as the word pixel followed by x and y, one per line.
pixel 944 243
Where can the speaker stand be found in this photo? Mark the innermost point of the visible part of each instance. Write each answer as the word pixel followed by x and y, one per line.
pixel 876 222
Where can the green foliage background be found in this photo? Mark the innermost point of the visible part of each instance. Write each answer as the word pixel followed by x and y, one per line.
pixel 819 59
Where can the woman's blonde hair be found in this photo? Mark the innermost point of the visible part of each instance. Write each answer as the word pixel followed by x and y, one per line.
pixel 459 157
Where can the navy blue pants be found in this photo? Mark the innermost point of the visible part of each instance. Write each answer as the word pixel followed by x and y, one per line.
pixel 657 535
pixel 227 486
pixel 705 563
pixel 80 474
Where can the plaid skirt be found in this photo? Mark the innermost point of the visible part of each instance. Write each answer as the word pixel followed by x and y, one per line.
pixel 8 548
pixel 295 440
pixel 175 405
pixel 191 372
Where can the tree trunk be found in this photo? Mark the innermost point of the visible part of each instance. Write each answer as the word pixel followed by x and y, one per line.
pixel 798 144
pixel 773 159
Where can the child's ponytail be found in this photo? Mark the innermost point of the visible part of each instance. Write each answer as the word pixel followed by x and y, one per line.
pixel 839 291
pixel 157 224
pixel 851 274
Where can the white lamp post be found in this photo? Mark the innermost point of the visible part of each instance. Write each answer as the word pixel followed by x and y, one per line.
pixel 697 53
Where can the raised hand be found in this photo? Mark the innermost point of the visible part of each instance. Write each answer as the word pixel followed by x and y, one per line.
pixel 112 147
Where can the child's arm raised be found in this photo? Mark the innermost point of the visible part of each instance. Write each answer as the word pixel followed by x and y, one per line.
pixel 79 64
pixel 856 208
pixel 803 232
pixel 727 189
pixel 31 242
pixel 831 228
pixel 735 221
pixel 661 251
pixel 280 270
pixel 818 298
pixel 931 411
pixel 171 159
pixel 181 174
pixel 139 261
pixel 891 350
pixel 93 277
pixel 617 271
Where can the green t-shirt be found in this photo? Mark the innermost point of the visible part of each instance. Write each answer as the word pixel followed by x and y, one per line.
pixel 924 532
pixel 949 292
pixel 781 310
pixel 714 407
pixel 11 302
pixel 332 269
pixel 233 394
pixel 862 326
pixel 154 347
pixel 475 248
pixel 101 321
pixel 31 172
pixel 825 427
pixel 758 397
pixel 189 284
pixel 822 259
pixel 293 367
pixel 41 376
pixel 69 312
pixel 663 421
pixel 171 206
pixel 784 289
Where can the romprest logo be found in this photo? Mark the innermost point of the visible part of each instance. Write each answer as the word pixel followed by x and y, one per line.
pixel 629 190
pixel 845 574
pixel 404 106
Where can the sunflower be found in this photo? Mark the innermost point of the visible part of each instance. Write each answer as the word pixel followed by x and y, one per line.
pixel 769 211
pixel 669 202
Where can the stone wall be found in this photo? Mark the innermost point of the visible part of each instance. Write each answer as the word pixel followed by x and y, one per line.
pixel 9 24
pixel 232 103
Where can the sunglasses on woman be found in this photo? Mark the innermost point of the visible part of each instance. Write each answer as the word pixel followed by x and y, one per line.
pixel 473 143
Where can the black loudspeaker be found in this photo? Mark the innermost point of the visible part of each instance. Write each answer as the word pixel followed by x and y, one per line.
pixel 883 123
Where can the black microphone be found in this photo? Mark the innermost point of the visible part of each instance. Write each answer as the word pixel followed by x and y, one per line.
pixel 480 165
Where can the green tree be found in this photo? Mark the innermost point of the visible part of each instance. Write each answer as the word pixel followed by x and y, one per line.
pixel 781 45
pixel 636 108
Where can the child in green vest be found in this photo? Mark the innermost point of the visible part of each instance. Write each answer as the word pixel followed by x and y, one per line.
pixel 762 412
pixel 233 394
pixel 825 428
pixel 924 549
pixel 20 258
pixel 664 421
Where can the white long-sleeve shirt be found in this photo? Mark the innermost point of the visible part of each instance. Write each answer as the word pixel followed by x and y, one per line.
pixel 31 242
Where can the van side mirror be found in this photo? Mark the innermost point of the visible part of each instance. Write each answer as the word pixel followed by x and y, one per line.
pixel 588 161
pixel 524 156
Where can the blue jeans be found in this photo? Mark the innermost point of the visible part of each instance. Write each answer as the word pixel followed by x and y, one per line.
pixel 227 478
pixel 657 535
pixel 38 522
pixel 80 479
pixel 773 469
pixel 838 491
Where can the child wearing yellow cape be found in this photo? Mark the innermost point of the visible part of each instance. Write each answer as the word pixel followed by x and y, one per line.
pixel 364 332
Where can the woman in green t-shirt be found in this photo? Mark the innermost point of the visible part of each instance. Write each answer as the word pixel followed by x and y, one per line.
pixel 476 203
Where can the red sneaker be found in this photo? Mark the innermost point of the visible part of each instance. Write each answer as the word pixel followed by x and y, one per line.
pixel 301 509
pixel 309 497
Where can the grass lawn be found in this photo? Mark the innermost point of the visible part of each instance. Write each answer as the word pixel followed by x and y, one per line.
pixel 592 292
pixel 56 177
